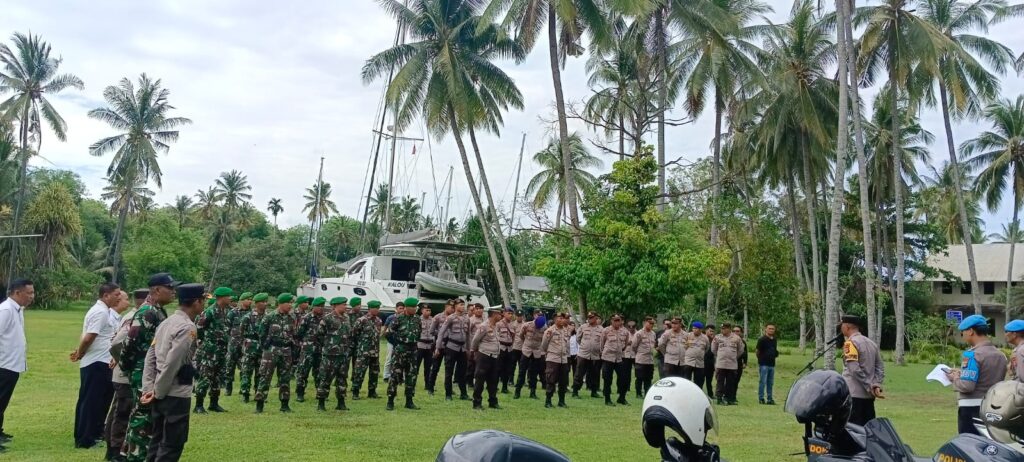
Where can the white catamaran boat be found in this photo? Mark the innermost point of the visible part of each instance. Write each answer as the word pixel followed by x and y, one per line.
pixel 414 264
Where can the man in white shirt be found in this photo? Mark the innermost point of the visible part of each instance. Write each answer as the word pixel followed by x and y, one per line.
pixel 93 355
pixel 20 294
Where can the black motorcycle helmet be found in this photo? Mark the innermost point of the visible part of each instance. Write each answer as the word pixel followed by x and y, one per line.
pixel 821 398
pixel 495 446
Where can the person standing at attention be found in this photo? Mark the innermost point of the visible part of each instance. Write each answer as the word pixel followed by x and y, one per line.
pixel 95 389
pixel 767 350
pixel 1015 338
pixel 981 367
pixel 863 370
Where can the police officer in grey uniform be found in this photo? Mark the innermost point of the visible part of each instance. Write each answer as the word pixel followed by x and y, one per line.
pixel 981 367
pixel 1015 337
pixel 863 370
pixel 168 374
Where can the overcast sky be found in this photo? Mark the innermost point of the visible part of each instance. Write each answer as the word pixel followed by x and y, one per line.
pixel 273 86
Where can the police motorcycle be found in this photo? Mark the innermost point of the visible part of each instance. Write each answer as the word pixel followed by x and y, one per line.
pixel 821 401
pixel 673 403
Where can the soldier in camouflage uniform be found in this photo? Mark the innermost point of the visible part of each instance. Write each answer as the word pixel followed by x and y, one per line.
pixel 309 344
pixel 133 361
pixel 405 331
pixel 235 342
pixel 277 337
pixel 354 313
pixel 214 331
pixel 251 351
pixel 366 336
pixel 335 336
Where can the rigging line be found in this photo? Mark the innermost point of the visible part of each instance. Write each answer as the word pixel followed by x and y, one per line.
pixel 433 174
pixel 374 139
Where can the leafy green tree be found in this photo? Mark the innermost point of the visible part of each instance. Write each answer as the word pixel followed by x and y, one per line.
pixel 939 202
pixel 234 189
pixel 182 206
pixel 271 265
pixel 158 246
pixel 53 214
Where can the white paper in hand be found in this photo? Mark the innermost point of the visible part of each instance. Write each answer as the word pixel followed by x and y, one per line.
pixel 939 375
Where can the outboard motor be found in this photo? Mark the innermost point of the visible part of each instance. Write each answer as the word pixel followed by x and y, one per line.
pixel 821 401
pixel 496 446
pixel 680 405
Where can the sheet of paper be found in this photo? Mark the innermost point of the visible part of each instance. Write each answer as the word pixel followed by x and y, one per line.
pixel 939 375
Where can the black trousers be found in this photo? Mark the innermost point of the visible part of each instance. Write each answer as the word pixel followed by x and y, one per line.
pixel 531 369
pixel 430 378
pixel 470 370
pixel 672 370
pixel 621 382
pixel 862 410
pixel 709 378
pixel 8 380
pixel 117 418
pixel 627 370
pixel 507 360
pixel 965 419
pixel 644 377
pixel 588 370
pixel 572 366
pixel 557 376
pixel 726 384
pixel 454 369
pixel 94 394
pixel 425 363
pixel 488 369
pixel 170 429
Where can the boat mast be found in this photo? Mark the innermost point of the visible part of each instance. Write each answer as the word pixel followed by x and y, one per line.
pixel 394 143
pixel 515 198
pixel 314 225
pixel 448 202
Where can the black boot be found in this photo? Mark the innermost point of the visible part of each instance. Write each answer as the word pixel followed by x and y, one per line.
pixel 593 394
pixel 199 409
pixel 547 402
pixel 477 406
pixel 245 397
pixel 576 394
pixel 341 405
pixel 410 405
pixel 561 400
pixel 391 403
pixel 284 406
pixel 504 389
pixel 372 394
pixel 493 404
pixel 516 395
pixel 300 394
pixel 320 404
pixel 259 406
pixel 355 395
pixel 227 389
pixel 215 404
pixel 608 400
pixel 463 396
pixel 533 393
pixel 622 399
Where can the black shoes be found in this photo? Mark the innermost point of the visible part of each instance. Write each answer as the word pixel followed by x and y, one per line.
pixel 199 409
pixel 547 402
pixel 300 395
pixel 622 400
pixel 284 406
pixel 463 397
pixel 516 395
pixel 410 405
pixel 372 394
pixel 341 405
pixel 321 405
pixel 533 394
pixel 391 403
pixel 259 407
pixel 355 395
pixel 245 397
pixel 608 401
pixel 576 394
pixel 227 390
pixel 593 394
pixel 478 407
pixel 215 405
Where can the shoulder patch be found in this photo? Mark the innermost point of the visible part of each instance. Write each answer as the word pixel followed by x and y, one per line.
pixel 850 352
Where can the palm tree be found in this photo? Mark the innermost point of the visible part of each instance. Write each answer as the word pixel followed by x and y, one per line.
pixel 30 74
pixel 941 204
pixel 126 196
pixel 319 203
pixel 379 203
pixel 275 208
pixel 407 215
pixel 999 153
pixel 548 184
pixel 1011 233
pixel 965 81
pixel 222 230
pixel 207 202
pixel 182 207
pixel 234 189
pixel 446 76
pixel 897 41
pixel 142 114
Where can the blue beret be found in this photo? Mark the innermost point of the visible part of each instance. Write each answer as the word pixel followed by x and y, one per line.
pixel 540 321
pixel 973 320
pixel 697 324
pixel 1016 325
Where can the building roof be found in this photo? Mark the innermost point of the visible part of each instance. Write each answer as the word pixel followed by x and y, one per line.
pixel 991 262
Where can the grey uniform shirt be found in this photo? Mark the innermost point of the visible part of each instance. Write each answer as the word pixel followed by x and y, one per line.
pixel 982 367
pixel 506 335
pixel 629 353
pixel 174 346
pixel 862 366
pixel 589 339
pixel 696 347
pixel 532 337
pixel 555 344
pixel 485 340
pixel 454 333
pixel 1017 363
pixel 613 344
pixel 672 344
pixel 117 344
pixel 435 325
pixel 643 346
pixel 727 350
pixel 426 341
pixel 517 341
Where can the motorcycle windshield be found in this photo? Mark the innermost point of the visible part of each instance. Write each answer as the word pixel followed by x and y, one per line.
pixel 814 394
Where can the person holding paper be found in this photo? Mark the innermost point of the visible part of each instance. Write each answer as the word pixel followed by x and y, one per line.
pixel 863 370
pixel 1015 336
pixel 982 366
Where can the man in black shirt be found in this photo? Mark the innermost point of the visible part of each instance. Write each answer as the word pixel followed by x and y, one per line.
pixel 767 351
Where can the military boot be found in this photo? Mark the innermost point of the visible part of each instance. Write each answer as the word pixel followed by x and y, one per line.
pixel 504 388
pixel 533 393
pixel 593 394
pixel 355 395
pixel 199 409
pixel 259 406
pixel 561 400
pixel 622 399
pixel 300 394
pixel 227 389
pixel 576 394
pixel 608 400
pixel 391 403
pixel 372 394
pixel 245 397
pixel 516 395
pixel 284 406
pixel 341 405
pixel 410 405
pixel 215 404
pixel 320 405
pixel 478 406
pixel 547 401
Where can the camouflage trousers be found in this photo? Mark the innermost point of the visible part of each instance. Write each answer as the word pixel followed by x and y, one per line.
pixel 250 365
pixel 405 369
pixel 212 362
pixel 364 363
pixel 140 424
pixel 333 370
pixel 275 359
pixel 234 361
pixel 309 361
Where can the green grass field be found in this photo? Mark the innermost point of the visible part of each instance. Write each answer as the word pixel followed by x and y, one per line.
pixel 42 411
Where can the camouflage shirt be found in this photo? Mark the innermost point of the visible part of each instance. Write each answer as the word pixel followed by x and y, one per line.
pixel 235 318
pixel 367 334
pixel 250 325
pixel 306 333
pixel 277 329
pixel 214 329
pixel 406 331
pixel 140 337
pixel 335 334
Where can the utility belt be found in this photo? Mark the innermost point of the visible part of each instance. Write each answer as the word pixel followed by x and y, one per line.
pixel 456 342
pixel 508 344
pixel 409 344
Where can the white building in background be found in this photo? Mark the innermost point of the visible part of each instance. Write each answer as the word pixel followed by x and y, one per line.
pixel 991 262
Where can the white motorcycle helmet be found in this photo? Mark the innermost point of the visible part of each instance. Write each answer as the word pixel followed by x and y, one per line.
pixel 1002 410
pixel 680 405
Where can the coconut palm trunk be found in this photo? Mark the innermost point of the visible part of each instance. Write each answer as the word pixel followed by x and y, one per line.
pixel 1008 307
pixel 659 26
pixel 496 226
pixel 812 224
pixel 495 264
pixel 563 126
pixel 798 257
pixel 19 204
pixel 897 178
pixel 216 260
pixel 122 217
pixel 716 191
pixel 965 226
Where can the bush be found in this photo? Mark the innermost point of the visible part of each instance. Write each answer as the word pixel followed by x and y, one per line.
pixel 56 288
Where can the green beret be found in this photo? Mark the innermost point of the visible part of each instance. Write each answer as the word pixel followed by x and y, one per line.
pixel 411 301
pixel 373 304
pixel 210 301
pixel 355 301
pixel 245 296
pixel 319 301
pixel 234 298
pixel 285 298
pixel 222 292
pixel 302 299
pixel 338 301
pixel 260 297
